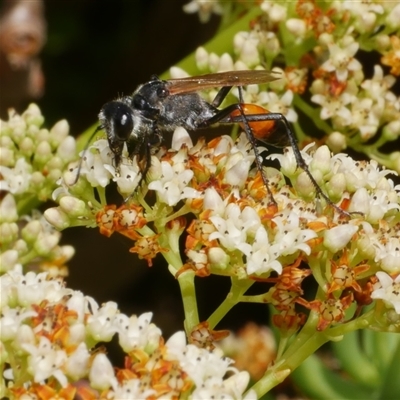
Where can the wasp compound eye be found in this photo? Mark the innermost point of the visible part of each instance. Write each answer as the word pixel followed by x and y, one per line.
pixel 116 117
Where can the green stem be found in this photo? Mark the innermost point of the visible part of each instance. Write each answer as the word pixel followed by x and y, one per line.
pixel 307 342
pixel 188 292
pixel 235 295
pixel 282 369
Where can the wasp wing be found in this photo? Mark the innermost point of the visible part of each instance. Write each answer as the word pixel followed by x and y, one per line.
pixel 221 79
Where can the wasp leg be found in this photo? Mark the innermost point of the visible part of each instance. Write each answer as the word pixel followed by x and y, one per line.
pixel 297 154
pixel 224 116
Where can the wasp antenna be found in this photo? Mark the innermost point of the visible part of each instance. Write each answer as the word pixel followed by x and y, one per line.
pixel 99 128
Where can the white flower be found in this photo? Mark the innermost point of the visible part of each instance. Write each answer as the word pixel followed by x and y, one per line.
pixel 207 370
pixel 334 107
pixel 173 185
pixel 261 255
pixel 246 47
pixel 290 236
pixel 127 178
pixel 377 87
pixel 232 227
pixel 341 60
pixel 81 304
pixel 16 180
pixel 388 289
pixel 388 254
pixel 46 361
pixel 11 320
pixel 365 117
pixel 393 17
pixel 17 288
pixel 137 332
pixel 94 162
pixel 359 174
pixel 131 389
pixel 364 13
pixel 101 324
pixel 276 12
pixel 288 161
pixel 205 8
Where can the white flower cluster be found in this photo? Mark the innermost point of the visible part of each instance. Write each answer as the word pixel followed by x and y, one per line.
pixel 208 371
pixel 364 105
pixel 33 158
pixel 48 333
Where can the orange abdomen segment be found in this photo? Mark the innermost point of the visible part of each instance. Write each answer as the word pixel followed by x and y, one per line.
pixel 260 129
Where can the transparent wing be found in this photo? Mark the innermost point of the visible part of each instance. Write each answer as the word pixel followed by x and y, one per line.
pixel 221 79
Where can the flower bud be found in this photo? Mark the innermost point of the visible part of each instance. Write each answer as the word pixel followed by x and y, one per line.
pixel 24 336
pixel 296 27
pixel 360 202
pixel 336 186
pixel 393 18
pixel 7 157
pixel 336 142
pixel 213 201
pixel 201 58
pixel 237 383
pixel 31 231
pixel 391 131
pixel 27 147
pixel 8 259
pixel 101 373
pixel 336 238
pixel 239 172
pixel 45 243
pixel 73 206
pixel 225 63
pixel 382 42
pixel 43 135
pixel 8 232
pixel 321 160
pixel 181 137
pixel 33 116
pixel 57 217
pixel 67 149
pixel 8 209
pixel 43 153
pixel 77 363
pixel 218 258
pixel 59 132
pixel 304 186
pixel 213 62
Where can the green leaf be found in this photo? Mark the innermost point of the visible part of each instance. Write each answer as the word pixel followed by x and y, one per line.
pixel 318 382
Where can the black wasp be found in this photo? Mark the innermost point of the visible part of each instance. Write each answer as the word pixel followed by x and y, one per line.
pixel 160 106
